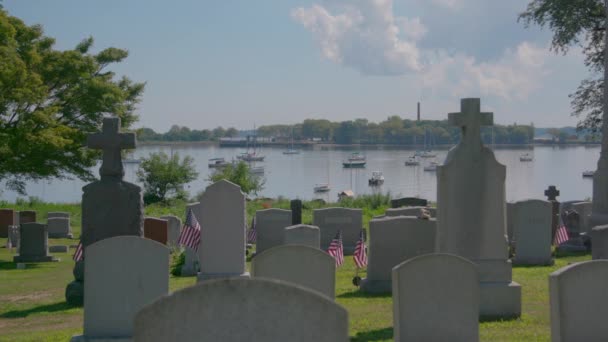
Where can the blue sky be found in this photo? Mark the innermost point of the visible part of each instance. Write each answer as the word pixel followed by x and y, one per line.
pixel 240 63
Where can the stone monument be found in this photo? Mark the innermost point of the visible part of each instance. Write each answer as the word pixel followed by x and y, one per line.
pixel 296 212
pixel 471 212
pixel 34 243
pixel 110 206
pixel 552 194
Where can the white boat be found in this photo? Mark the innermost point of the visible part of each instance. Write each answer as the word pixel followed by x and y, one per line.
pixel 431 167
pixel 588 173
pixel 526 157
pixel 291 151
pixel 250 157
pixel 323 187
pixel 356 157
pixel 412 161
pixel 216 163
pixel 353 163
pixel 346 194
pixel 376 179
pixel 426 154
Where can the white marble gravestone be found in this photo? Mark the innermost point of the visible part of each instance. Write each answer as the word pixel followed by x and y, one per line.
pixel 59 227
pixel 330 220
pixel 302 234
pixel 436 298
pixel 123 274
pixel 531 220
pixel 301 265
pixel 54 214
pixel 471 212
pixel 221 214
pixel 175 228
pixel 240 309
pixel 579 302
pixel 270 224
pixel 599 242
pixel 393 240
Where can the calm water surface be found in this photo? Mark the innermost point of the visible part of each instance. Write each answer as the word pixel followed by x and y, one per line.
pixel 294 176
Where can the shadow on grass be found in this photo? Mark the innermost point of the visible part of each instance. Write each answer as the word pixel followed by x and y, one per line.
pixel 361 294
pixel 374 335
pixel 55 307
pixel 12 266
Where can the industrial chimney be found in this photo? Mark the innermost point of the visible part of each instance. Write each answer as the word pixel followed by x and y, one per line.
pixel 418 111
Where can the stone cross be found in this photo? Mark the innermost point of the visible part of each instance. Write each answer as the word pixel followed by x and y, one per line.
pixel 470 120
pixel 551 193
pixel 111 142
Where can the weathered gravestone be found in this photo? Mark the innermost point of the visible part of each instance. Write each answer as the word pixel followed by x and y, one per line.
pixel 531 221
pixel 296 211
pixel 330 220
pixel 552 194
pixel 471 212
pixel 156 229
pixel 59 249
pixel 410 211
pixel 221 214
pixel 579 302
pixel 124 274
pixel 110 206
pixel 33 243
pixel 577 240
pixel 436 298
pixel 253 310
pixel 393 240
pixel 270 224
pixel 408 202
pixel 27 216
pixel 59 227
pixel 599 242
pixel 191 265
pixel 306 266
pixel 302 234
pixel 584 210
pixel 55 214
pixel 13 237
pixel 174 229
pixel 7 218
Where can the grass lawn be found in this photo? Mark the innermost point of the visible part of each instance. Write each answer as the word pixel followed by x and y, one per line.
pixel 33 308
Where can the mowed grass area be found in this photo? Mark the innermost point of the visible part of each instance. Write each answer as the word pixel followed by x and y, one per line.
pixel 33 308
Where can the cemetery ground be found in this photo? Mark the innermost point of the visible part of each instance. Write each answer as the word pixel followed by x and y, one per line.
pixel 33 307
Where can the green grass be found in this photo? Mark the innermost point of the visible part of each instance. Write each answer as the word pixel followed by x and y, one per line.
pixel 32 305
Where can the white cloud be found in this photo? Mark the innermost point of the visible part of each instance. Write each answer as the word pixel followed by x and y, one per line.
pixel 452 4
pixel 364 35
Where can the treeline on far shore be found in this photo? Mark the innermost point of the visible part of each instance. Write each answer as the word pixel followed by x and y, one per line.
pixel 392 131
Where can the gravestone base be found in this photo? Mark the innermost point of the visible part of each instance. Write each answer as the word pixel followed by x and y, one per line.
pixel 47 258
pixel 212 276
pixel 499 300
pixel 82 338
pixel 533 262
pixel 574 245
pixel 61 236
pixel 376 286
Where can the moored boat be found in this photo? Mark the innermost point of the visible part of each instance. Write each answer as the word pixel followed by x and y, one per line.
pixel 376 179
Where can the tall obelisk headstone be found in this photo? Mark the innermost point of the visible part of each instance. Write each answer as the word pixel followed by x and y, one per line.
pixel 471 210
pixel 110 206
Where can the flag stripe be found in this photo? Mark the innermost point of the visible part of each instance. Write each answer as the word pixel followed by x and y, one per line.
pixel 336 249
pixel 360 255
pixel 191 233
pixel 561 235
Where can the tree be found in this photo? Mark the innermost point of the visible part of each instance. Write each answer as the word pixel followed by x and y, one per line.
pixel 50 100
pixel 164 177
pixel 575 22
pixel 240 175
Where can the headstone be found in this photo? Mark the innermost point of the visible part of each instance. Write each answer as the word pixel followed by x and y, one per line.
pixel 252 310
pixel 59 227
pixel 270 224
pixel 531 220
pixel 191 265
pixel 174 229
pixel 221 214
pixel 302 234
pixel 471 213
pixel 393 240
pixel 156 229
pixel 13 237
pixel 330 220
pixel 58 249
pixel 599 242
pixel 123 274
pixel 110 206
pixel 33 244
pixel 584 210
pixel 436 298
pixel 579 302
pixel 305 266
pixel 578 241
pixel 7 218
pixel 27 216
pixel 552 194
pixel 54 214
pixel 408 202
pixel 510 218
pixel 296 211
pixel 409 211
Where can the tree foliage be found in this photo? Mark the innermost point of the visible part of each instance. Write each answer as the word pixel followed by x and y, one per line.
pixel 240 175
pixel 164 177
pixel 50 100
pixel 577 22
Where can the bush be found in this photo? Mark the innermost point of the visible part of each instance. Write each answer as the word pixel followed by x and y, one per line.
pixel 240 175
pixel 178 259
pixel 164 177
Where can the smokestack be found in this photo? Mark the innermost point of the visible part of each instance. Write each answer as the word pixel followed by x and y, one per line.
pixel 418 111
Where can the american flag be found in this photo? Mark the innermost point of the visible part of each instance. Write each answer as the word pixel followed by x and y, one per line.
pixel 252 234
pixel 561 235
pixel 336 250
pixel 191 233
pixel 79 253
pixel 360 255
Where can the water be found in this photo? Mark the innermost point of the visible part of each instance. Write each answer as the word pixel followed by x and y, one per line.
pixel 294 176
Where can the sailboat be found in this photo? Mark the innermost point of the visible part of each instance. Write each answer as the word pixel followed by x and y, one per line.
pixel 427 153
pixel 291 150
pixel 252 156
pixel 323 187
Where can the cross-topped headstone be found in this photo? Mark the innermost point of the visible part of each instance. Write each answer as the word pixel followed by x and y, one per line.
pixel 111 142
pixel 551 193
pixel 470 119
